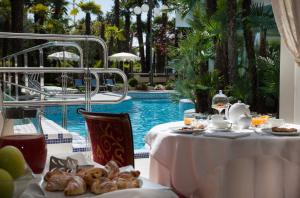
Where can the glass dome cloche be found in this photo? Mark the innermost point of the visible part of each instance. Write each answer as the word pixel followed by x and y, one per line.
pixel 220 102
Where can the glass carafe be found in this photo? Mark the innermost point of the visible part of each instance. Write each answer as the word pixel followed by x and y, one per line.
pixel 220 102
pixel 22 129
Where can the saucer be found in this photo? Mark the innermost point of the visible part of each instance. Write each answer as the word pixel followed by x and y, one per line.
pixel 221 130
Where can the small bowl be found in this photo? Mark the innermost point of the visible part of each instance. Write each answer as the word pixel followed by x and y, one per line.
pixel 273 122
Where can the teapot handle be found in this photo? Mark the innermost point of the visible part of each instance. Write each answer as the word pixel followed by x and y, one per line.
pixel 227 111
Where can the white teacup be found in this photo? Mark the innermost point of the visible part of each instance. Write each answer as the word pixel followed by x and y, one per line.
pixel 273 122
pixel 221 124
pixel 216 117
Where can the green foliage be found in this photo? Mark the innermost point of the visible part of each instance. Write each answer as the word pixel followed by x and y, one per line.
pixel 268 73
pixel 74 12
pixel 142 87
pixel 90 6
pixel 113 32
pixel 98 64
pixel 39 9
pixel 133 82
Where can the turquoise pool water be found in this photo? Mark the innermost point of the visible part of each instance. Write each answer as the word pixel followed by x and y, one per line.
pixel 144 114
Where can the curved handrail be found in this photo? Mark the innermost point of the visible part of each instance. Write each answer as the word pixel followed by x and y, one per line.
pixel 60 37
pixel 45 45
pixel 92 71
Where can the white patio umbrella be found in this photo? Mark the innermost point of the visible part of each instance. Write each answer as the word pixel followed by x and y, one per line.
pixel 64 55
pixel 123 56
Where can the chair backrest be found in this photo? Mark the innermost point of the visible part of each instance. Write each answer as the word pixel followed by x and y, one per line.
pixel 93 83
pixel 109 82
pixel 111 137
pixel 78 82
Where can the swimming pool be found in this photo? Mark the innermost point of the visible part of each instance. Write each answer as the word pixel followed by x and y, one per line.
pixel 144 114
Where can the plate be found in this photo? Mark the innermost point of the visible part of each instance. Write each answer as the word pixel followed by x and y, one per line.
pixel 186 130
pixel 269 130
pixel 222 130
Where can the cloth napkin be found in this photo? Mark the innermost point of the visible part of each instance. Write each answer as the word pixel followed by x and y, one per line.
pixel 231 135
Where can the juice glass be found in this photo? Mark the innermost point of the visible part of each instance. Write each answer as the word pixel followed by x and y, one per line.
pixel 25 133
pixel 188 118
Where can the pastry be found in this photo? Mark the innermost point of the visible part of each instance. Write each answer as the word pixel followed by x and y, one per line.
pixel 124 183
pixel 112 169
pixel 54 172
pixel 129 175
pixel 104 187
pixel 58 182
pixel 93 173
pixel 282 129
pixel 75 186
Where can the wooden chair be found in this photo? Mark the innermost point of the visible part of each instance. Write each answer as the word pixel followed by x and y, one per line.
pixel 111 137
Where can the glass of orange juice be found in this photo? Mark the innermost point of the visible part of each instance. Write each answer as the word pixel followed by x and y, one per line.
pixel 258 121
pixel 188 118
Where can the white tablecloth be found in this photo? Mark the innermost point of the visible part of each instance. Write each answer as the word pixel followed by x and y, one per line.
pixel 255 166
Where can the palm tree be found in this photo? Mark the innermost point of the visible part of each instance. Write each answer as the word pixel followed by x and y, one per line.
pixel 232 47
pixel 149 38
pixel 58 8
pixel 112 33
pixel 89 8
pixel 17 18
pixel 40 10
pixel 5 13
pixel 249 43
pixel 139 31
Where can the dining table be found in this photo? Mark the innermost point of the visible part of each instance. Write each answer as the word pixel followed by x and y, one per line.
pixel 238 164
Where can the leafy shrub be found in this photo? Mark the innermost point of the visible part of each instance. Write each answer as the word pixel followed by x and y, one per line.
pixel 170 85
pixel 133 82
pixel 159 87
pixel 142 87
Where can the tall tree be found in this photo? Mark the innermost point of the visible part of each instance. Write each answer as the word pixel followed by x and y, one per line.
pixel 161 50
pixel 89 8
pixel 139 31
pixel 17 18
pixel 232 46
pixel 117 20
pixel 58 8
pixel 249 43
pixel 149 38
pixel 5 12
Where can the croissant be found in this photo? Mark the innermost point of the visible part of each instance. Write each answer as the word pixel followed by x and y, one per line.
pixel 129 175
pixel 124 184
pixel 112 169
pixel 57 182
pixel 104 187
pixel 54 172
pixel 93 173
pixel 76 186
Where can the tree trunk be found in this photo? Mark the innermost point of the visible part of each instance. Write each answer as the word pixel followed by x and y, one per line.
pixel 127 31
pixel 102 31
pixel 162 50
pixel 141 43
pixel 263 43
pixel 201 103
pixel 117 21
pixel 249 42
pixel 88 23
pixel 232 47
pixel 17 18
pixel 221 60
pixel 211 7
pixel 5 41
pixel 149 38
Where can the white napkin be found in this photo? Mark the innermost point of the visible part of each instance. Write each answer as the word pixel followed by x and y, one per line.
pixel 231 135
